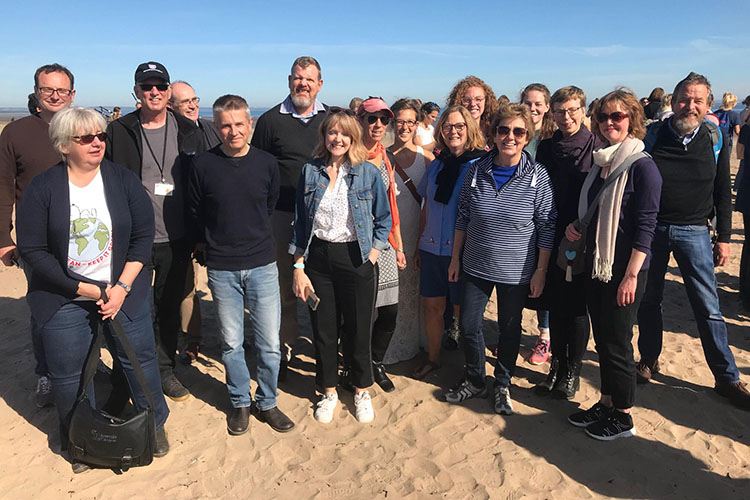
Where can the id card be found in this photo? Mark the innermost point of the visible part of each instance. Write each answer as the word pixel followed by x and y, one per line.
pixel 163 189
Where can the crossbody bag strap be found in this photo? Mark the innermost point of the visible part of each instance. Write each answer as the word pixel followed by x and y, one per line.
pixel 616 173
pixel 407 181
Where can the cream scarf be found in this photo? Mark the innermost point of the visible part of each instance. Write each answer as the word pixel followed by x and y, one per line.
pixel 607 160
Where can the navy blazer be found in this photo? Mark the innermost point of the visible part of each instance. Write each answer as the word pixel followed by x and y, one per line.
pixel 43 230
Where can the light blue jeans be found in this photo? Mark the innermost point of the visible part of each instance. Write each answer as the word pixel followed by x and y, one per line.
pixel 257 290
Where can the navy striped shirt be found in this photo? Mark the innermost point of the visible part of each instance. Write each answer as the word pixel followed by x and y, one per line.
pixel 505 227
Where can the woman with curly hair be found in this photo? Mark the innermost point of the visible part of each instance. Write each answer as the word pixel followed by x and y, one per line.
pixel 477 97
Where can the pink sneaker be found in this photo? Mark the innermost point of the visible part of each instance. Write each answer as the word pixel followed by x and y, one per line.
pixel 540 353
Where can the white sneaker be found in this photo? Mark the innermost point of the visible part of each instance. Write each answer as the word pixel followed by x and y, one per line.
pixel 325 407
pixel 43 396
pixel 363 407
pixel 502 402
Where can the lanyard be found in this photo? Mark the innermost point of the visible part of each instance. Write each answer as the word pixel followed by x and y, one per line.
pixel 160 166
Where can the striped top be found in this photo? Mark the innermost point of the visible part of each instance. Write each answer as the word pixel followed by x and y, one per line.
pixel 505 227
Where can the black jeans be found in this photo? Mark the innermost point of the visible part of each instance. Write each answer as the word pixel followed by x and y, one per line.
pixel 613 334
pixel 745 262
pixel 169 262
pixel 568 319
pixel 346 287
pixel 382 331
pixel 510 302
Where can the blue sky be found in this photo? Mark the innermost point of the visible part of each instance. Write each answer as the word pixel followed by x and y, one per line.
pixel 392 49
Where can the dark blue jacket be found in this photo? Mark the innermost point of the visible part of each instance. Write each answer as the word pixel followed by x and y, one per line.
pixel 43 227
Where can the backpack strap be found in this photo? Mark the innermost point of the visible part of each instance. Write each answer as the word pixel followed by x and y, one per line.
pixel 717 138
pixel 405 177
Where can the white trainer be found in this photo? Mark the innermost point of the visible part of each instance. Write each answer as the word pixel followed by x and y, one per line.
pixel 363 407
pixel 325 407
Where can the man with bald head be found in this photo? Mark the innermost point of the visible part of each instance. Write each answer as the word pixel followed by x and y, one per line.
pixel 184 102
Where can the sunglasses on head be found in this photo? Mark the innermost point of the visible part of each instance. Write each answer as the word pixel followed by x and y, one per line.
pixel 89 138
pixel 616 117
pixel 385 120
pixel 161 87
pixel 335 110
pixel 518 132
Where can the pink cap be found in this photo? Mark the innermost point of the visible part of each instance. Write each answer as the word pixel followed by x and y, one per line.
pixel 373 105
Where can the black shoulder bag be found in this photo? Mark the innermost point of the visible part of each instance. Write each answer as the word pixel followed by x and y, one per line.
pixel 102 440
pixel 570 253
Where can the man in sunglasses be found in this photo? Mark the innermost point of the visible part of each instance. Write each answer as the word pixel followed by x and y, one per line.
pixel 694 164
pixel 289 131
pixel 158 145
pixel 25 152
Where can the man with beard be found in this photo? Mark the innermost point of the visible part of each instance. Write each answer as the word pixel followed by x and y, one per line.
pixel 695 186
pixel 289 131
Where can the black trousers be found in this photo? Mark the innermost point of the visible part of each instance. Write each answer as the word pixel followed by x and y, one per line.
pixel 613 334
pixel 568 319
pixel 382 331
pixel 169 262
pixel 745 263
pixel 346 287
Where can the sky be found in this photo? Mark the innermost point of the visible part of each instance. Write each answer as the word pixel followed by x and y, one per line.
pixel 391 49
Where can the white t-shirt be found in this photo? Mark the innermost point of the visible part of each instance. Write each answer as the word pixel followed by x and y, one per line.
pixel 90 246
pixel 427 136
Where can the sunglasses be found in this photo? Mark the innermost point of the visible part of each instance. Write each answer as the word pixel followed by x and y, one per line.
pixel 335 110
pixel 518 132
pixel 616 117
pixel 161 87
pixel 89 138
pixel 385 120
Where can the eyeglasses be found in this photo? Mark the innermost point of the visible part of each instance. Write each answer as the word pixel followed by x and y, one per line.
pixel 447 127
pixel 504 131
pixel 469 100
pixel 562 112
pixel 335 110
pixel 408 123
pixel 161 87
pixel 616 117
pixel 89 138
pixel 385 120
pixel 48 91
pixel 185 102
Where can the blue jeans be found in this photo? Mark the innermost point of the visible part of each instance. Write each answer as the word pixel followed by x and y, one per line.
pixel 68 336
pixel 510 303
pixel 40 368
pixel 694 255
pixel 258 290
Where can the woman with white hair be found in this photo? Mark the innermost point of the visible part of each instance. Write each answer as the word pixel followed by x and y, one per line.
pixel 86 227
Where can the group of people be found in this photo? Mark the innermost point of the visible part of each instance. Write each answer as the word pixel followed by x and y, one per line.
pixel 382 243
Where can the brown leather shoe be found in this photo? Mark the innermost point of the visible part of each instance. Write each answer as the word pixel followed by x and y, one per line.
pixel 736 392
pixel 644 371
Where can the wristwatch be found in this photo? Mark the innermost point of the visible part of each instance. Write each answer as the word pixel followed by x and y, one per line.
pixel 126 287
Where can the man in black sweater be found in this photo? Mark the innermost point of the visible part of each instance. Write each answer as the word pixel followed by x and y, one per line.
pixel 695 186
pixel 289 131
pixel 232 193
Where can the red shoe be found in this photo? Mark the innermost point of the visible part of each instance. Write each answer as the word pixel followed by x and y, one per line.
pixel 540 354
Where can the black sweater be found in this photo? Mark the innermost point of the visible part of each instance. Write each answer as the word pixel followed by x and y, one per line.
pixel 230 203
pixel 693 184
pixel 292 142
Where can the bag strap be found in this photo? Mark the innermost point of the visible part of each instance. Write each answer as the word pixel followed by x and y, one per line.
pixel 616 173
pixel 93 356
pixel 407 181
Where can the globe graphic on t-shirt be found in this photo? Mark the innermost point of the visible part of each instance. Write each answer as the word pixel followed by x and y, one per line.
pixel 89 238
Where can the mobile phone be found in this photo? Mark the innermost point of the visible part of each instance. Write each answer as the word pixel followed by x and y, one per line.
pixel 312 300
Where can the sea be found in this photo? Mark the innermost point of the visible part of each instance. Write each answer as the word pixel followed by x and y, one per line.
pixel 8 114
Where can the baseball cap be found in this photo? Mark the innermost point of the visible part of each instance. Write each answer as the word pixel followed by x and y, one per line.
pixel 373 105
pixel 151 69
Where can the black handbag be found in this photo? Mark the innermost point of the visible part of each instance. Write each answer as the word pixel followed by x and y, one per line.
pixel 102 440
pixel 570 254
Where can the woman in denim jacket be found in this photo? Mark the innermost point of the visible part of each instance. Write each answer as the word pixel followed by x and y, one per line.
pixel 342 223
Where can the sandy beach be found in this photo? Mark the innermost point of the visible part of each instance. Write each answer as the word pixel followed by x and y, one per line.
pixel 691 443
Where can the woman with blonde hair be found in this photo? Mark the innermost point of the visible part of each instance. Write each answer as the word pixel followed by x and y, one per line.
pixel 461 143
pixel 479 99
pixel 729 120
pixel 341 225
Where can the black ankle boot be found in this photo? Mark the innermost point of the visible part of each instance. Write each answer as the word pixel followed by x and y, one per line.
pixel 381 377
pixel 545 387
pixel 569 383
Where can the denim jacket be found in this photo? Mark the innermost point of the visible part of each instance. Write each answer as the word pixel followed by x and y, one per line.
pixel 368 203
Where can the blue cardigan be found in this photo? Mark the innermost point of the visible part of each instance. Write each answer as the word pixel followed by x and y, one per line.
pixel 43 227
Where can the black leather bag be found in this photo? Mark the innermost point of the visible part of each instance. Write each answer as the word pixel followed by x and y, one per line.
pixel 102 440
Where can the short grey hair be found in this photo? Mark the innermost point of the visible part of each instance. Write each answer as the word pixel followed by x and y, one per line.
pixel 70 122
pixel 693 78
pixel 230 102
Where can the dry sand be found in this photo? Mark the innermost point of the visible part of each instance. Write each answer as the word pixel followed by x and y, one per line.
pixel 690 443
